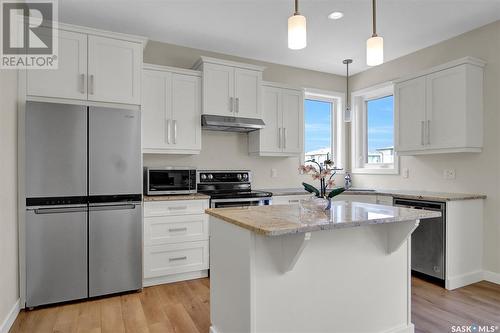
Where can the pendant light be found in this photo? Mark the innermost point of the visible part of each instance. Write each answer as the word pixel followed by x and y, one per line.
pixel 347 112
pixel 375 44
pixel 297 34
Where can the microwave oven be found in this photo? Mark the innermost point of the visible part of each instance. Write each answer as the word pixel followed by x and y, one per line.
pixel 169 180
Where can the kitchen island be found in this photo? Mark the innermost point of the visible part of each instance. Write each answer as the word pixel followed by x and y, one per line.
pixel 280 269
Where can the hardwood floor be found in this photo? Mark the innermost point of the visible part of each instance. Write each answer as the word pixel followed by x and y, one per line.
pixel 184 308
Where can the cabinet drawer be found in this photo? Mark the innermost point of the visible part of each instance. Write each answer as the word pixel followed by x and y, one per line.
pixel 177 207
pixel 384 200
pixel 174 229
pixel 160 260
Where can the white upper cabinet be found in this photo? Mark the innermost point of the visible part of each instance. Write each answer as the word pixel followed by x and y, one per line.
pixel 247 93
pixel 410 101
pixel 230 88
pixel 218 89
pixel 441 110
pixel 93 66
pixel 171 110
pixel 283 114
pixel 70 79
pixel 114 71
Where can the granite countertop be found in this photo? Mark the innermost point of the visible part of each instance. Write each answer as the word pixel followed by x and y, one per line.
pixel 173 197
pixel 288 219
pixel 422 195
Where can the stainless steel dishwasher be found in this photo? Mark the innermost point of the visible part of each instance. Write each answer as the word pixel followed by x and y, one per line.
pixel 428 241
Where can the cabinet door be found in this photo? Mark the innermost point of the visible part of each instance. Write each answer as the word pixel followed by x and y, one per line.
pixel 271 135
pixel 186 112
pixel 114 68
pixel 218 89
pixel 446 108
pixel 69 80
pixel 247 93
pixel 293 120
pixel 156 112
pixel 410 112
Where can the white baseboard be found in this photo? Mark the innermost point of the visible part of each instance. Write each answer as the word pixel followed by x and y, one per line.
pixel 464 280
pixel 11 317
pixel 174 278
pixel 404 329
pixel 491 277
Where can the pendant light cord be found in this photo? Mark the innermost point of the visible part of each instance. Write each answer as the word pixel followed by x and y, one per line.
pixel 348 104
pixel 296 8
pixel 374 17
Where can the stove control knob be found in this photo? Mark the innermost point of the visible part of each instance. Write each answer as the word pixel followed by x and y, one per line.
pixel 210 176
pixel 245 176
pixel 203 176
pixel 239 176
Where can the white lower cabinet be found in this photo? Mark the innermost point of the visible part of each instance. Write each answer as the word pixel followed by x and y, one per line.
pixel 366 198
pixel 176 241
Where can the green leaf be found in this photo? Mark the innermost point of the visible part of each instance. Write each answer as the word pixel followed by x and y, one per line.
pixel 311 189
pixel 335 192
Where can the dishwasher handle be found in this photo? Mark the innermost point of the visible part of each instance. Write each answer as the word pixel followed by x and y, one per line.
pixel 419 204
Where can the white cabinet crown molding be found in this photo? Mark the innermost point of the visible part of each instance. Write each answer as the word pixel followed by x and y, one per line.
pixel 465 60
pixel 217 61
pixel 103 33
pixel 177 70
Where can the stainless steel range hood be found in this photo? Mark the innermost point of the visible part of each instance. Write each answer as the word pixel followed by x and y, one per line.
pixel 230 124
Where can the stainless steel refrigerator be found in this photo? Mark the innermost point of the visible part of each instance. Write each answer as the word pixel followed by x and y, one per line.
pixel 83 202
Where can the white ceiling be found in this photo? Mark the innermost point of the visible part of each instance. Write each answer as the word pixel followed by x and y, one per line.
pixel 257 29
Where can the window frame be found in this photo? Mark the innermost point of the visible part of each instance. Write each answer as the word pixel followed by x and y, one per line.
pixel 359 131
pixel 338 142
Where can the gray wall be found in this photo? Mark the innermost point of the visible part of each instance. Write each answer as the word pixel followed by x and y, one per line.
pixel 229 150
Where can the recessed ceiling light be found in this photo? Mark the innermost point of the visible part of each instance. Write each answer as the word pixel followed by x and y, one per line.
pixel 336 15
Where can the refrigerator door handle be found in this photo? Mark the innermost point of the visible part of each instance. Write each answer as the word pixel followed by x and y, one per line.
pixel 112 207
pixel 61 210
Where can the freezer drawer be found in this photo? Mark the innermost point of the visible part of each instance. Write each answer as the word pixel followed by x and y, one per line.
pixel 115 248
pixel 114 151
pixel 56 255
pixel 56 150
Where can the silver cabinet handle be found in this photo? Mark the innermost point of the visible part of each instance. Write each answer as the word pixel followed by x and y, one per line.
pixel 279 137
pixel 177 258
pixel 237 105
pixel 177 229
pixel 168 130
pixel 175 131
pixel 231 104
pixel 91 83
pixel 428 132
pixel 284 137
pixel 422 130
pixel 82 83
pixel 293 201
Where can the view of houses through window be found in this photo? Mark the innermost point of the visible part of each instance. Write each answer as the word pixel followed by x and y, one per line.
pixel 380 130
pixel 318 129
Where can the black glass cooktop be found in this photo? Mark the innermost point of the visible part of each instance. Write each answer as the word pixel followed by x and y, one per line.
pixel 236 194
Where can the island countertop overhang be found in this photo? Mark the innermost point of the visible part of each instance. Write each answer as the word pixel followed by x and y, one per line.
pixel 278 220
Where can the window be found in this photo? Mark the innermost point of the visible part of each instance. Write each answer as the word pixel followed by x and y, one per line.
pixel 323 128
pixel 372 131
pixel 380 130
pixel 318 130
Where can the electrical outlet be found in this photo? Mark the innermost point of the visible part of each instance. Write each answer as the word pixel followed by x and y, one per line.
pixel 449 174
pixel 406 173
pixel 274 173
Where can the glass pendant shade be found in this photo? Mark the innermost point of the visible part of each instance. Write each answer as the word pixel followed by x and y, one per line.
pixel 297 34
pixel 374 51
